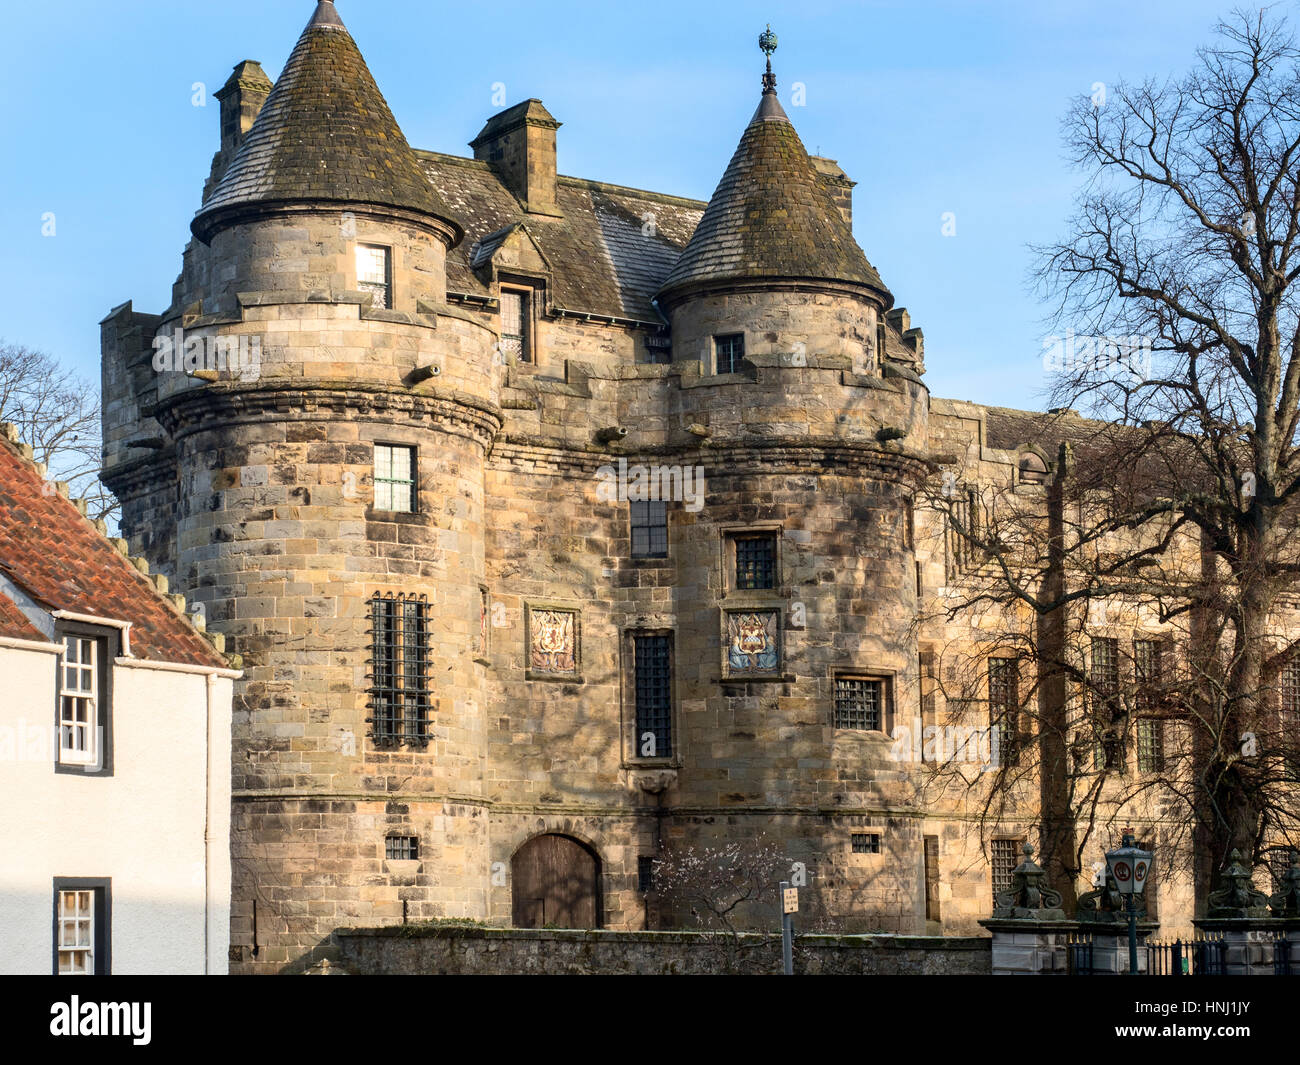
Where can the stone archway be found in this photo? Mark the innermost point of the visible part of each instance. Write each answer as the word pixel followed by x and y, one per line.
pixel 555 880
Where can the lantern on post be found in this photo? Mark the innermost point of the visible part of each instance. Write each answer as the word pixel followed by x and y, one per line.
pixel 1130 865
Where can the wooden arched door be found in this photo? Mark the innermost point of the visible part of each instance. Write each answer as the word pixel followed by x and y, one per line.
pixel 555 880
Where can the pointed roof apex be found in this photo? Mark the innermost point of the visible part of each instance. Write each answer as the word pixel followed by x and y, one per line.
pixel 771 217
pixel 324 136
pixel 326 14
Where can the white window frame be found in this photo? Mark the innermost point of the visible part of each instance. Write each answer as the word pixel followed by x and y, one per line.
pixel 368 283
pixel 391 479
pixel 79 948
pixel 79 689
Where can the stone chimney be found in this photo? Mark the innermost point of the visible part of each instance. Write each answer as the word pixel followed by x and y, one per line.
pixel 519 144
pixel 837 183
pixel 241 99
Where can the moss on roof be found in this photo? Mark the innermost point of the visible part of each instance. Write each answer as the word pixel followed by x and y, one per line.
pixel 324 134
pixel 772 217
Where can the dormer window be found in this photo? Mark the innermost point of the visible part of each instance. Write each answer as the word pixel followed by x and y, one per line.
pixel 375 274
pixel 728 351
pixel 516 316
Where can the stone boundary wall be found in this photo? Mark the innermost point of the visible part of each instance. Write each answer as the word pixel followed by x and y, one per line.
pixel 403 950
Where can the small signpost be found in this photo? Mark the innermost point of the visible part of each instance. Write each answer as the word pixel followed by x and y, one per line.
pixel 789 905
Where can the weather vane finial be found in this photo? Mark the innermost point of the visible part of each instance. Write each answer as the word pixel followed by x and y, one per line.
pixel 767 42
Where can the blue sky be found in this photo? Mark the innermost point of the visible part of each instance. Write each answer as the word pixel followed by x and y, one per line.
pixel 931 107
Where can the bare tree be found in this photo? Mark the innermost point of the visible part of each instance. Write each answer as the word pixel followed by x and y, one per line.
pixel 722 890
pixel 1176 293
pixel 58 414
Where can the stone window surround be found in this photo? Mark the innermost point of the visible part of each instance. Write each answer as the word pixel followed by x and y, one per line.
pixel 888 679
pixel 533 290
pixel 728 531
pixel 716 370
pixel 569 606
pixel 648 625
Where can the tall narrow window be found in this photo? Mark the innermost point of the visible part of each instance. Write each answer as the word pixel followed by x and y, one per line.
pixel 1150 745
pixel 1004 857
pixel 399 669
pixel 1103 676
pixel 515 317
pixel 931 878
pixel 654 702
pixel 1291 693
pixel 1147 672
pixel 728 351
pixel 79 701
pixel 649 528
pixel 1004 708
pixel 395 478
pixel 860 703
pixel 82 916
pixel 755 561
pixel 375 275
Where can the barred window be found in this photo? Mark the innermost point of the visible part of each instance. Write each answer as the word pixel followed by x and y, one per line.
pixel 649 528
pixel 375 275
pixel 728 351
pixel 395 478
pixel 866 843
pixel 1150 745
pixel 399 669
pixel 402 848
pixel 516 338
pixel 1104 672
pixel 1004 857
pixel 1147 672
pixel 653 683
pixel 1291 689
pixel 860 703
pixel 1004 707
pixel 755 562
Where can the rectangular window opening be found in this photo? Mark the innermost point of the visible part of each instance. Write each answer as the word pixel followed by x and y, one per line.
pixel 652 655
pixel 399 669
pixel 375 275
pixel 729 351
pixel 860 703
pixel 649 520
pixel 395 478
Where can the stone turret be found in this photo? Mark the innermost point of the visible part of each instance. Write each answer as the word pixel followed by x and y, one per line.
pixel 318 280
pixel 774 251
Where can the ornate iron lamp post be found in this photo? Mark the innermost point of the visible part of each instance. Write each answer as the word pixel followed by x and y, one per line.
pixel 1130 865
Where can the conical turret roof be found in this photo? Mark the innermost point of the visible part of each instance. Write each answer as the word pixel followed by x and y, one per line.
pixel 771 217
pixel 325 134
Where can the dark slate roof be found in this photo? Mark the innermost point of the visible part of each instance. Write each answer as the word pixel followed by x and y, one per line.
pixel 609 250
pixel 62 562
pixel 1007 429
pixel 771 217
pixel 324 134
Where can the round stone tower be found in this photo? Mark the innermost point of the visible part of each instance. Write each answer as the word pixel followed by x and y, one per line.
pixel 816 433
pixel 330 511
